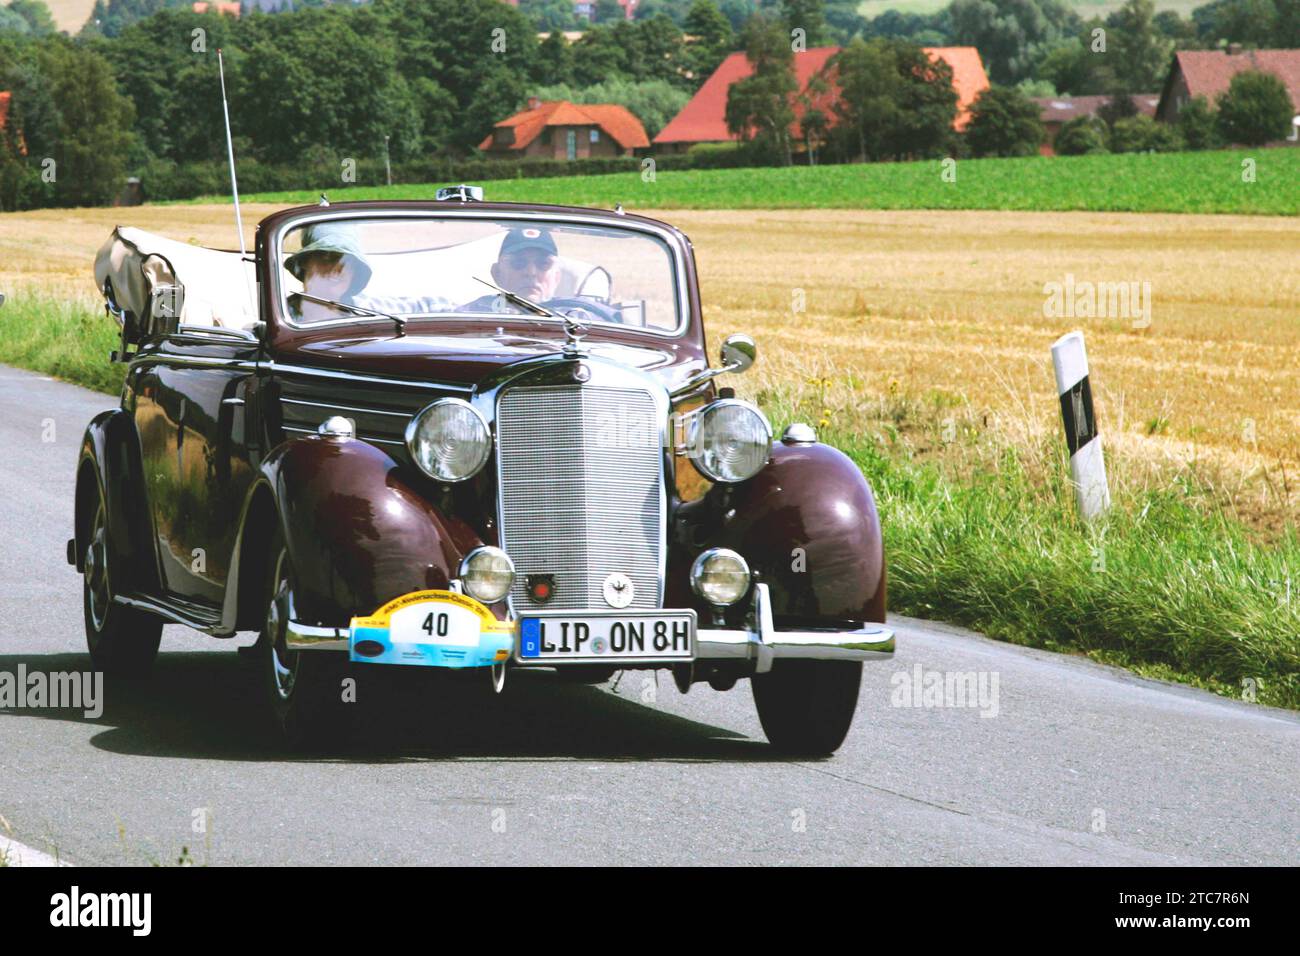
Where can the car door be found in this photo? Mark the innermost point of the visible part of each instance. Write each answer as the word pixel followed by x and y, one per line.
pixel 190 389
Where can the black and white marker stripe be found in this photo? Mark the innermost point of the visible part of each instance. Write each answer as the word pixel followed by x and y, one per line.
pixel 1087 466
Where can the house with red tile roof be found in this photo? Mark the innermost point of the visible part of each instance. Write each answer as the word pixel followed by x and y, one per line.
pixel 1056 111
pixel 703 119
pixel 558 129
pixel 1208 73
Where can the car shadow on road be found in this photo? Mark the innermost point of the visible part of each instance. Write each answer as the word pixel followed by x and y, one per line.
pixel 208 706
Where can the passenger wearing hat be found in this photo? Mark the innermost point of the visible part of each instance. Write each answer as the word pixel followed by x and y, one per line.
pixel 331 265
pixel 527 265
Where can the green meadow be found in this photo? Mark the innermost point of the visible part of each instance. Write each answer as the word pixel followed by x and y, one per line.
pixel 1247 182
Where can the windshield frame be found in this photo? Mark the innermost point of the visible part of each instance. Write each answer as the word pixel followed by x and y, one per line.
pixel 279 296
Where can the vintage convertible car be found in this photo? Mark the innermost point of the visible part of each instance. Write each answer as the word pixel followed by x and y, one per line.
pixel 458 434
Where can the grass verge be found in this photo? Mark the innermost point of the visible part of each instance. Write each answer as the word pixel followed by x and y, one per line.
pixel 1166 585
pixel 69 340
pixel 1192 182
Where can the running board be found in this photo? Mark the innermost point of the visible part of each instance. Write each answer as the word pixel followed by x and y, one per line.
pixel 209 622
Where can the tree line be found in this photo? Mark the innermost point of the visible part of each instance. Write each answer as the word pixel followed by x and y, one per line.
pixel 896 102
pixel 136 91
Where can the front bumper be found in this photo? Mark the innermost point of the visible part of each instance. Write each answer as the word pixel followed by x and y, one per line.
pixel 760 643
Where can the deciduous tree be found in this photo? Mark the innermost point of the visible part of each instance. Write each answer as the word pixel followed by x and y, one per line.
pixel 1141 51
pixel 713 35
pixel 1004 122
pixel 1011 34
pixel 759 107
pixel 895 100
pixel 1255 109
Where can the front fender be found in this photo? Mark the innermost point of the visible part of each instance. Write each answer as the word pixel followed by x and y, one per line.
pixel 359 533
pixel 807 524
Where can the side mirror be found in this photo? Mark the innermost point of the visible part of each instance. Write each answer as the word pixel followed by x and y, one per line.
pixel 738 353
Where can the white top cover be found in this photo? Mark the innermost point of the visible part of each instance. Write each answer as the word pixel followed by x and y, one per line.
pixel 218 285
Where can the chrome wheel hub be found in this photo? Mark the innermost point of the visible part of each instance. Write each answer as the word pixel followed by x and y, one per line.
pixel 96 573
pixel 284 663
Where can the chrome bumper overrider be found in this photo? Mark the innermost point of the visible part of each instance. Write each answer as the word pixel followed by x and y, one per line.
pixel 760 644
pixel 763 643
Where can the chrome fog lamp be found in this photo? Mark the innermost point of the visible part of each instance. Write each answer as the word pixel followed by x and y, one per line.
pixel 729 440
pixel 720 576
pixel 486 574
pixel 449 440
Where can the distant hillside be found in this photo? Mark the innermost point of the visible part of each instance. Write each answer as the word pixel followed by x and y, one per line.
pixel 70 14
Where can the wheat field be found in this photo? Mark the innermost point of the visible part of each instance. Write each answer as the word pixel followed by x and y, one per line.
pixel 914 320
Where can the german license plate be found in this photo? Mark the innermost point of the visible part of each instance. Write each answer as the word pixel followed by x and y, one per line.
pixel 561 637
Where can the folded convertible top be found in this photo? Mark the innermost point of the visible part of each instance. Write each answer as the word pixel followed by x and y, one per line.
pixel 218 284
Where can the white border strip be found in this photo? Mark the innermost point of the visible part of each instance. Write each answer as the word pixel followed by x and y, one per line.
pixel 20 854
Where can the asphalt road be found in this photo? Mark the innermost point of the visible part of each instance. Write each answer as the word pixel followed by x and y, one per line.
pixel 1080 765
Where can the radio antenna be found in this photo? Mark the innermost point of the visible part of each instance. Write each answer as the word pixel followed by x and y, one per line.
pixel 230 151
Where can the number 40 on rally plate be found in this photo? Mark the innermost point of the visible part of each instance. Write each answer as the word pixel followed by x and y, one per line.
pixel 434 628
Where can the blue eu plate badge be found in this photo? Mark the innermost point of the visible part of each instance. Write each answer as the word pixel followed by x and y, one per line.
pixel 530 637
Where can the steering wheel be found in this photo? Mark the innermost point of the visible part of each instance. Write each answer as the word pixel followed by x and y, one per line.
pixel 598 311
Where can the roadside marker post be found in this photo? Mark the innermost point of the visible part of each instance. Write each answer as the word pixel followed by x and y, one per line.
pixel 1087 467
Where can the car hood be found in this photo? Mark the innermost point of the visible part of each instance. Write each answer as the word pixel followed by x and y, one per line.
pixel 466 359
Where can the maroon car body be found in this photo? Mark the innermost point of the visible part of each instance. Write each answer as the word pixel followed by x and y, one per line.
pixel 214 465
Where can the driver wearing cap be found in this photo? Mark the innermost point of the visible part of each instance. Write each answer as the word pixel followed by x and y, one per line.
pixel 527 265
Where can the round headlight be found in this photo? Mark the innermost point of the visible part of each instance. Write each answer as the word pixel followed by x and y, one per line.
pixel 449 440
pixel 486 574
pixel 730 440
pixel 720 576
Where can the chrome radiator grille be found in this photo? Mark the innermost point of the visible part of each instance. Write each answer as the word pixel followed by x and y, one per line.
pixel 581 478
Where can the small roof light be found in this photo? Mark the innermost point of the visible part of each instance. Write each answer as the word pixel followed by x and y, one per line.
pixel 462 193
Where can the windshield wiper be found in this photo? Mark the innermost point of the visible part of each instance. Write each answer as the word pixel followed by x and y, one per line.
pixel 520 301
pixel 358 310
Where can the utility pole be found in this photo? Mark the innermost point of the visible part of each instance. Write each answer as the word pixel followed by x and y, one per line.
pixel 388 166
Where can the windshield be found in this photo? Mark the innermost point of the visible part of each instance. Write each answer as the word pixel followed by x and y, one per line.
pixel 338 270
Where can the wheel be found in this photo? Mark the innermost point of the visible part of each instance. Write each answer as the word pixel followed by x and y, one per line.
pixel 303 691
pixel 806 707
pixel 122 640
